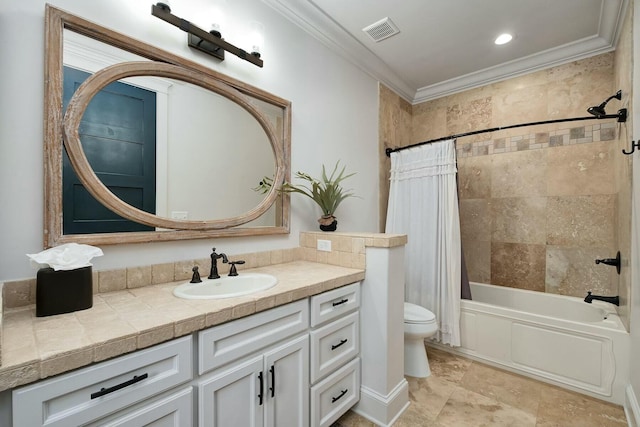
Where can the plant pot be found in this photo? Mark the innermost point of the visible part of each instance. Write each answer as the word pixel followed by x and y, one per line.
pixel 328 223
pixel 330 227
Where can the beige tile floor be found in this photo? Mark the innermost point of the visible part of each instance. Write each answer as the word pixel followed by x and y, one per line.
pixel 461 392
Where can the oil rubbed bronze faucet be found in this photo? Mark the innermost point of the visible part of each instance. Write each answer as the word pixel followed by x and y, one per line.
pixel 613 300
pixel 213 274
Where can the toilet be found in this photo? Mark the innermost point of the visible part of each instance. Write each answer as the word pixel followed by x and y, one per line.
pixel 419 323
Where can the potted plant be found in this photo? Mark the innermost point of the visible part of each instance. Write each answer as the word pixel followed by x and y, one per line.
pixel 327 192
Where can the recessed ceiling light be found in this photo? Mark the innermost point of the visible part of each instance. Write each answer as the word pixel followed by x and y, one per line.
pixel 503 38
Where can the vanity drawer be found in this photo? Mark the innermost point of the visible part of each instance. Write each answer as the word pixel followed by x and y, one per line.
pixel 334 344
pixel 88 394
pixel 175 410
pixel 222 344
pixel 333 396
pixel 333 304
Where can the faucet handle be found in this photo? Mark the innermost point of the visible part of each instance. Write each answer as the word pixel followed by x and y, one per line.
pixel 233 271
pixel 195 278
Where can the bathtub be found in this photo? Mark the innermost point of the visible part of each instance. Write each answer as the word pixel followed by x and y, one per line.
pixel 553 338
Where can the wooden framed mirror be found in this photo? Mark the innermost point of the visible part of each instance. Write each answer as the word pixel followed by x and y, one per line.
pixel 269 116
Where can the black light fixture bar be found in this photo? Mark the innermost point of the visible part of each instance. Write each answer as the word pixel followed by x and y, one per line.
pixel 203 40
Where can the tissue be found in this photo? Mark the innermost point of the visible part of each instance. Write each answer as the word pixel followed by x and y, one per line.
pixel 68 256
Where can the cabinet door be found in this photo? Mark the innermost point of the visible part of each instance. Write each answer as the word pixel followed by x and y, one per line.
pixel 235 397
pixel 287 391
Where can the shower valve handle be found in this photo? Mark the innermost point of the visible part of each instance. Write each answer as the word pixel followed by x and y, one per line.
pixel 611 261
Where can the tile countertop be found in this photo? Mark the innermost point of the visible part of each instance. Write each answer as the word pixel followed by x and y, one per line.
pixel 124 321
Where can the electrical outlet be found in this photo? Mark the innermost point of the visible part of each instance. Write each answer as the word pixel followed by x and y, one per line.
pixel 324 245
pixel 179 215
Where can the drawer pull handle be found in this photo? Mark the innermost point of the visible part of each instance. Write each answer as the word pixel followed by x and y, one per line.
pixel 261 388
pixel 343 301
pixel 342 342
pixel 342 393
pixel 273 380
pixel 117 387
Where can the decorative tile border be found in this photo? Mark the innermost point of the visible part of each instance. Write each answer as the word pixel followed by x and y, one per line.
pixel 534 141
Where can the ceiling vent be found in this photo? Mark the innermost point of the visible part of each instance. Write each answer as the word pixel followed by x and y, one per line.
pixel 381 30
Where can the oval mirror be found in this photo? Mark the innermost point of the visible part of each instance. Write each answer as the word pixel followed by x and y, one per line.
pixel 207 166
pixel 209 200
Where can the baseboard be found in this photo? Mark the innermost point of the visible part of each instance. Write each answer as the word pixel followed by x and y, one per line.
pixel 631 407
pixel 383 410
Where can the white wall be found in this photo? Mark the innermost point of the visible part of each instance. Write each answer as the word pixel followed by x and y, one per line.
pixel 335 115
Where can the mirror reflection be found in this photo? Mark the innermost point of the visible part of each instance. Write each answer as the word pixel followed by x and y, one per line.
pixel 183 153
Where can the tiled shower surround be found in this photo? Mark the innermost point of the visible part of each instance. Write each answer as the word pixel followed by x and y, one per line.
pixel 536 210
pixel 539 203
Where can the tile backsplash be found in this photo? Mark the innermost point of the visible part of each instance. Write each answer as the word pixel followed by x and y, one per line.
pixel 23 292
pixel 347 250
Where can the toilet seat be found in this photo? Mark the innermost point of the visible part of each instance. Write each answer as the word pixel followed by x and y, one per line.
pixel 416 314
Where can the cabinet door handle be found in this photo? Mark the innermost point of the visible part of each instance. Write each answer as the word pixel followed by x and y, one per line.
pixel 273 380
pixel 117 387
pixel 342 393
pixel 261 378
pixel 343 301
pixel 342 342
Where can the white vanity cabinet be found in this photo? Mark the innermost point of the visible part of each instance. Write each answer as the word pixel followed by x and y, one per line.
pixel 335 346
pixel 259 370
pixel 294 365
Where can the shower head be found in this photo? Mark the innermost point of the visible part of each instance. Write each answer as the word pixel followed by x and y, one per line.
pixel 598 110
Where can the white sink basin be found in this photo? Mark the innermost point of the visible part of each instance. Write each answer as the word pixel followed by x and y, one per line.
pixel 226 287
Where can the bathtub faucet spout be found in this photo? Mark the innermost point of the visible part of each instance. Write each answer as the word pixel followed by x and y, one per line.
pixel 613 300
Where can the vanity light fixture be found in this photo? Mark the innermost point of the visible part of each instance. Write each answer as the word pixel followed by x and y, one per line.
pixel 210 42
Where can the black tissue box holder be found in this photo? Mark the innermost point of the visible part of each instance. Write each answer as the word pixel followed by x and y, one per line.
pixel 63 291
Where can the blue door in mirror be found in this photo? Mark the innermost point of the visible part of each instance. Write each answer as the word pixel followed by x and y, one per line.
pixel 118 134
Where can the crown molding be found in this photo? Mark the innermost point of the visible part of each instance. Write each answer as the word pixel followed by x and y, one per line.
pixel 306 15
pixel 611 19
pixel 528 64
pixel 312 20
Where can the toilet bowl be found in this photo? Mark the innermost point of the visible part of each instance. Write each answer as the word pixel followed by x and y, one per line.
pixel 419 324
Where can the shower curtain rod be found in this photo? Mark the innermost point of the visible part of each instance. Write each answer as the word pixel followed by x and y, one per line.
pixel 621 116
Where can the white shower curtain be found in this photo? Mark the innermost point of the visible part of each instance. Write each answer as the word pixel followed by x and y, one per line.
pixel 423 204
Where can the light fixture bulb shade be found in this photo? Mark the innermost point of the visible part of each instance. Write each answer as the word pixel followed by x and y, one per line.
pixel 218 17
pixel 165 4
pixel 256 37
